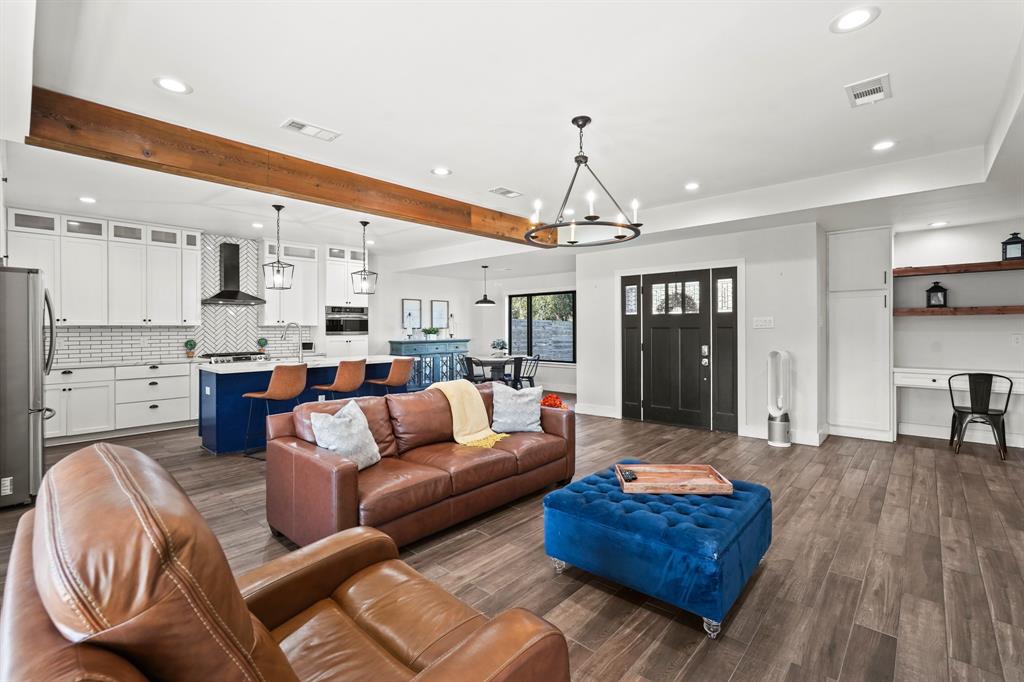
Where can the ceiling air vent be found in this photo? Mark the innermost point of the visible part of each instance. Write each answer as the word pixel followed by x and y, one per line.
pixel 506 192
pixel 325 134
pixel 869 91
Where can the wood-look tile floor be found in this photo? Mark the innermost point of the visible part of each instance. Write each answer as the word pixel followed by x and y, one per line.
pixel 889 561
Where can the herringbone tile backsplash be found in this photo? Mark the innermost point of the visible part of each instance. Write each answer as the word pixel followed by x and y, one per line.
pixel 223 328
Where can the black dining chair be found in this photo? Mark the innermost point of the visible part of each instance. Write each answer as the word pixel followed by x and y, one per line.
pixel 530 366
pixel 515 379
pixel 470 367
pixel 980 411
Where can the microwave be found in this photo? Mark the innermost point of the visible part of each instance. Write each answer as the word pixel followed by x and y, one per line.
pixel 346 320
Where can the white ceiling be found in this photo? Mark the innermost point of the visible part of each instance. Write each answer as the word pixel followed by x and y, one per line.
pixel 732 94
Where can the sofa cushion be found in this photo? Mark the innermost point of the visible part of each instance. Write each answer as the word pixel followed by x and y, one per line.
pixel 469 467
pixel 375 408
pixel 393 487
pixel 380 598
pixel 420 418
pixel 346 433
pixel 532 449
pixel 516 411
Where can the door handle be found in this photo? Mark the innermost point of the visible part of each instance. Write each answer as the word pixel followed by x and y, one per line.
pixel 153 407
pixel 154 366
pixel 154 383
pixel 705 362
pixel 704 351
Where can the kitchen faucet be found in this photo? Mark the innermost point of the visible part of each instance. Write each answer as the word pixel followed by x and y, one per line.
pixel 284 335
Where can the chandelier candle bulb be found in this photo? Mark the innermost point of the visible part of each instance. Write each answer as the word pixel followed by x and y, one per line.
pixel 590 201
pixel 635 205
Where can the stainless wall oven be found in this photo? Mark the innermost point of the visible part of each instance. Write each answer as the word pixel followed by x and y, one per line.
pixel 344 320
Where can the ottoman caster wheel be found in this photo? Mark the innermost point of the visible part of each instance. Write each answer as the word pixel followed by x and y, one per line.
pixel 712 628
pixel 560 566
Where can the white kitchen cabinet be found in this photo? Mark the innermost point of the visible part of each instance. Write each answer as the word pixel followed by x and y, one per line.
pixel 56 425
pixel 337 283
pixel 191 240
pixel 299 304
pixel 40 251
pixel 859 260
pixel 126 275
pixel 34 222
pixel 860 382
pixel 355 299
pixel 163 285
pixel 83 281
pixel 193 391
pixel 89 407
pixel 191 296
pixel 83 228
pixel 348 346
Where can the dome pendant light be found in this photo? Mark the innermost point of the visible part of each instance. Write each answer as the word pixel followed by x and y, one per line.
pixel 485 300
pixel 278 274
pixel 591 230
pixel 364 281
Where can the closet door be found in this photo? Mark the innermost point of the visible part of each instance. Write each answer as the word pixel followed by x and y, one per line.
pixel 860 384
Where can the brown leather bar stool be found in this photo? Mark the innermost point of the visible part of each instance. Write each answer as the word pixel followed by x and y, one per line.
pixel 398 375
pixel 350 376
pixel 287 382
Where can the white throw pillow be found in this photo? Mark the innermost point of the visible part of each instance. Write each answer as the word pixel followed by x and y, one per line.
pixel 516 410
pixel 347 433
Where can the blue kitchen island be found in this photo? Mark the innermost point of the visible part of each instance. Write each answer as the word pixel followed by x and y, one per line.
pixel 223 412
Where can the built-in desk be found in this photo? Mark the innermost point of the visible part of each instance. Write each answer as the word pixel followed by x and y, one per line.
pixel 937 379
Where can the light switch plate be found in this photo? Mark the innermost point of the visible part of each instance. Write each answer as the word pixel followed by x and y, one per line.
pixel 207 390
pixel 1017 339
pixel 764 323
pixel 321 398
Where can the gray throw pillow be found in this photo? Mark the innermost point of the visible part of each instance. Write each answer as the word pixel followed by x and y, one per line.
pixel 516 410
pixel 347 433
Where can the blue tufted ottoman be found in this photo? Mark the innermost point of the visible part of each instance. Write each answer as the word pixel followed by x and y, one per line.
pixel 694 551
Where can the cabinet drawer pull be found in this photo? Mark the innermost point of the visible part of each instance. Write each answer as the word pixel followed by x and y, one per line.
pixel 154 366
pixel 154 383
pixel 153 407
pixel 67 371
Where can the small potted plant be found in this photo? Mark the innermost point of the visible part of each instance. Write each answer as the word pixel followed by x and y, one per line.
pixel 429 333
pixel 499 347
pixel 262 343
pixel 190 348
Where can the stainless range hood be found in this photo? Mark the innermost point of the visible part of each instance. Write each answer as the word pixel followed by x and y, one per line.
pixel 230 293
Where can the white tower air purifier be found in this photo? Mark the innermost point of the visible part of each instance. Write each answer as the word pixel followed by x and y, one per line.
pixel 780 395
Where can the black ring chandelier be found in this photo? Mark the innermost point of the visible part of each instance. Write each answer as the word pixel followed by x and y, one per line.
pixel 624 229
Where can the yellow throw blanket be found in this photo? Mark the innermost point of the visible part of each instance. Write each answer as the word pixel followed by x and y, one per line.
pixel 469 415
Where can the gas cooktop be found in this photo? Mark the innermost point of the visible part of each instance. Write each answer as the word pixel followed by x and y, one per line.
pixel 219 358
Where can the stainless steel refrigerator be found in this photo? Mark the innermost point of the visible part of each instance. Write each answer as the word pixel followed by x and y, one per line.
pixel 27 344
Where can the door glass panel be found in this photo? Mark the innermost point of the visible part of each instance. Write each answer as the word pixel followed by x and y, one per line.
pixel 675 298
pixel 691 302
pixel 517 330
pixel 658 299
pixel 299 251
pixel 631 299
pixel 272 249
pixel 191 239
pixel 356 254
pixel 724 295
pixel 336 253
pixel 163 237
pixel 35 222
pixel 85 227
pixel 127 232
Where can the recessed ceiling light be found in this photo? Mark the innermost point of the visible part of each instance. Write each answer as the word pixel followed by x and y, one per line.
pixel 692 186
pixel 883 145
pixel 938 223
pixel 440 170
pixel 87 200
pixel 178 87
pixel 257 225
pixel 853 19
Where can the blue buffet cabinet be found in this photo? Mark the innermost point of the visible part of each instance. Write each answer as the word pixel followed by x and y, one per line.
pixel 437 360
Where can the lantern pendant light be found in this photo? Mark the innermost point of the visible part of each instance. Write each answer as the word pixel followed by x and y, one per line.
pixel 364 281
pixel 485 300
pixel 278 274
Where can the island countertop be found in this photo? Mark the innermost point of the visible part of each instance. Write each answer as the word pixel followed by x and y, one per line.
pixel 268 365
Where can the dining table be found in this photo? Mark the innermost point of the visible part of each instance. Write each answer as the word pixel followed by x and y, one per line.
pixel 496 364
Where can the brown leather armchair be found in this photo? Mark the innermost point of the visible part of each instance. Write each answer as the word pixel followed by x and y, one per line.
pixel 114 576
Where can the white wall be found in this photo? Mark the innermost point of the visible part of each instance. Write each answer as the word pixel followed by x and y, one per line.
pixel 779 278
pixel 981 342
pixel 392 287
pixel 492 323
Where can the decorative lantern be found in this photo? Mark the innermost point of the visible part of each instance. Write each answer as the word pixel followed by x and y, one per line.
pixel 364 281
pixel 1013 248
pixel 936 296
pixel 278 274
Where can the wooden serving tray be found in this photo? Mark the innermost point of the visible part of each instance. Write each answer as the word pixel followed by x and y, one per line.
pixel 675 479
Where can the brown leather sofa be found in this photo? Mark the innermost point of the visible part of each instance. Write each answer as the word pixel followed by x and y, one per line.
pixel 115 577
pixel 424 481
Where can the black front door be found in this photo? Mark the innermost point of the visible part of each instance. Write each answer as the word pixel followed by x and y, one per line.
pixel 677 348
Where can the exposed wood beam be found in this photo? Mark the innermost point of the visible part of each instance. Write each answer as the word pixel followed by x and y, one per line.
pixel 78 126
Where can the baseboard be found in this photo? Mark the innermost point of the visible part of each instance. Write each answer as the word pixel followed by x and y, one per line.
pixel 797 436
pixel 976 433
pixel 598 410
pixel 858 432
pixel 118 433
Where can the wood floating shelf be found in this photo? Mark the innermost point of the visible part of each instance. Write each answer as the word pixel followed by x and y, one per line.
pixel 965 310
pixel 959 268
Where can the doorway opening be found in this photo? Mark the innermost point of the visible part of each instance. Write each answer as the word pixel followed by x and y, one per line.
pixel 679 348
